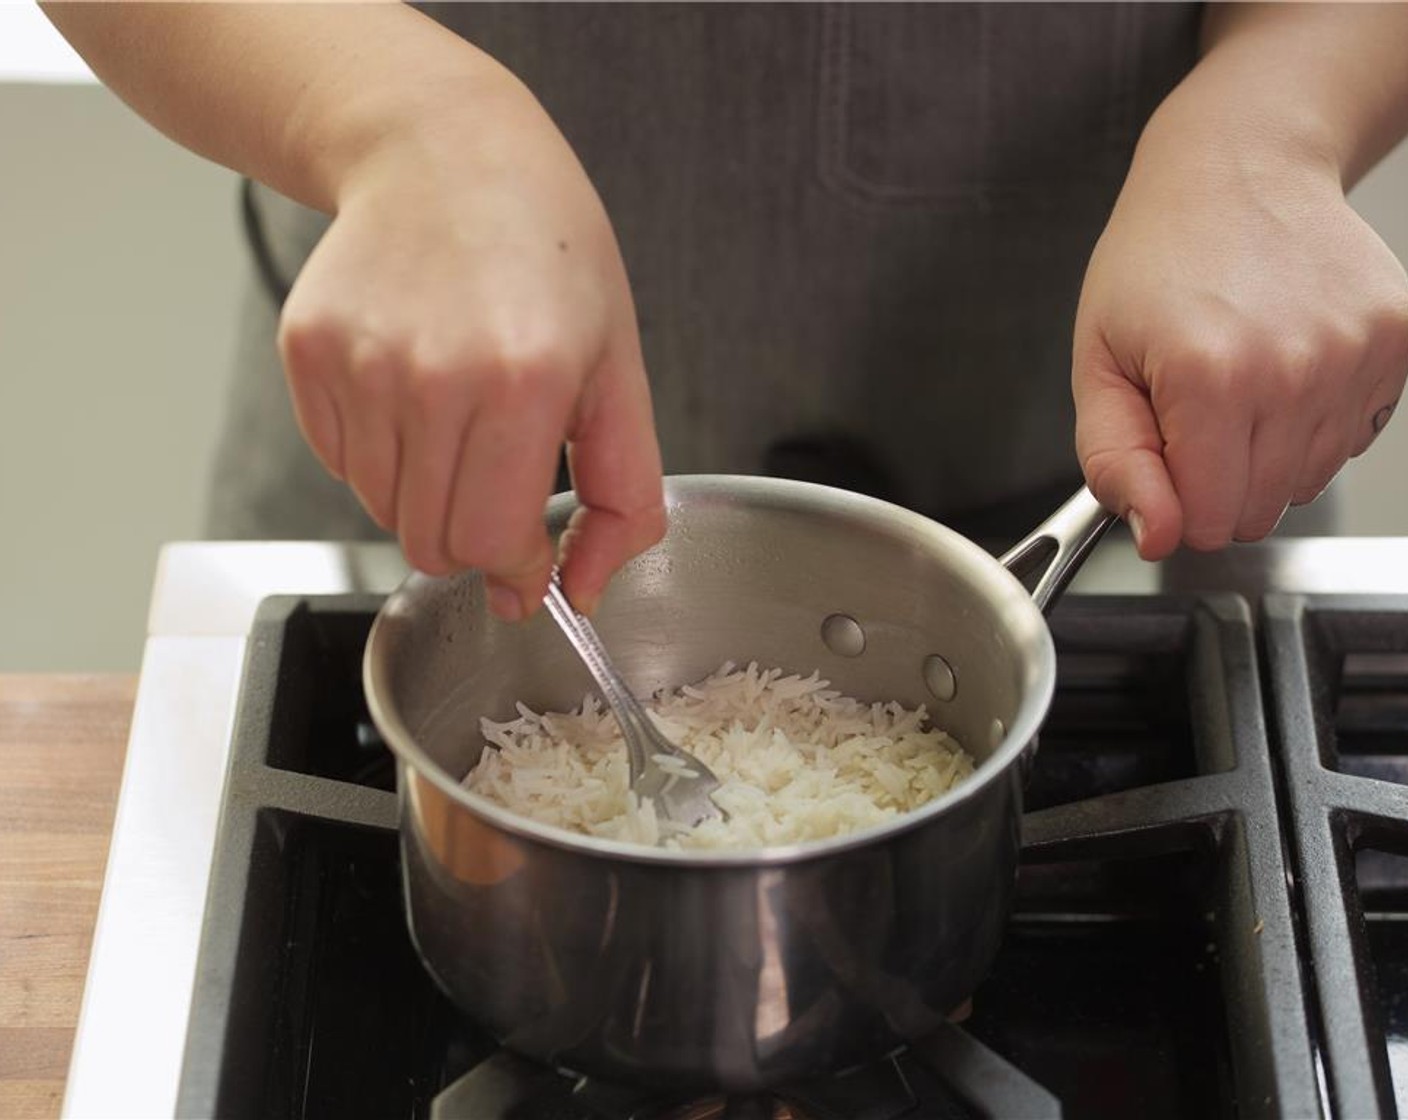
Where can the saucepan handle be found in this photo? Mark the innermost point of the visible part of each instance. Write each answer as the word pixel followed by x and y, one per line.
pixel 1053 551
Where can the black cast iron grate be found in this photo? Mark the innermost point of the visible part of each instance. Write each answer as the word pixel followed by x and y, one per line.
pixel 1338 675
pixel 1149 968
pixel 1224 810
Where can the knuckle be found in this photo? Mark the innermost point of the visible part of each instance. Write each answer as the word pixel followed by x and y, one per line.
pixel 1392 317
pixel 1346 341
pixel 1295 361
pixel 1100 468
pixel 1253 365
pixel 377 365
pixel 433 387
pixel 1289 370
pixel 1199 376
pixel 1217 358
pixel 1392 332
pixel 527 363
pixel 308 343
pixel 533 356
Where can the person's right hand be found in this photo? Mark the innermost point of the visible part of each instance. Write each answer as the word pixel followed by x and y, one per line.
pixel 465 314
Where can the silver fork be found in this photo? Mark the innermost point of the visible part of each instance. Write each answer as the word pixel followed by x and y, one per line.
pixel 681 795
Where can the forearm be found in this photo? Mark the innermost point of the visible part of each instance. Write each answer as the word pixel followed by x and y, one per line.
pixel 296 95
pixel 1326 82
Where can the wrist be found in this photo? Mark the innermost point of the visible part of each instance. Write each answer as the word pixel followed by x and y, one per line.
pixel 1199 138
pixel 1204 122
pixel 1316 85
pixel 365 120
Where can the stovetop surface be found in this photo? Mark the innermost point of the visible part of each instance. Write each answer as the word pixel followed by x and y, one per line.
pixel 1155 964
pixel 139 992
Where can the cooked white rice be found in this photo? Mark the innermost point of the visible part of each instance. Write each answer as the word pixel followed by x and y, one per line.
pixel 797 760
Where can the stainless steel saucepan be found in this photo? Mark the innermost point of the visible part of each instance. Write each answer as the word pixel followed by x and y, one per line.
pixel 741 970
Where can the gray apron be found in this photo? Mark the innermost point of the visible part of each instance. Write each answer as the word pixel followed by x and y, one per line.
pixel 855 234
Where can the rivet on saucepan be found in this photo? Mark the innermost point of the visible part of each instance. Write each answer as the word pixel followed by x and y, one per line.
pixel 938 675
pixel 843 635
pixel 996 733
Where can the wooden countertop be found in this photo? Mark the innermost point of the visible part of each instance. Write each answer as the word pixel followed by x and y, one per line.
pixel 62 743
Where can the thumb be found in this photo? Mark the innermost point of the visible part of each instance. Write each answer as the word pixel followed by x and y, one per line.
pixel 615 463
pixel 1121 452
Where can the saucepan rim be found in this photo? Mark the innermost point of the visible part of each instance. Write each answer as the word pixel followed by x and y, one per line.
pixel 1022 618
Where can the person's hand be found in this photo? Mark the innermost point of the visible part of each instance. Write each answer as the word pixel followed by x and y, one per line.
pixel 465 314
pixel 1241 334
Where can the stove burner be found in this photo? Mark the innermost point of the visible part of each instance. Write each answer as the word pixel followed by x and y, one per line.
pixel 953 1069
pixel 509 1087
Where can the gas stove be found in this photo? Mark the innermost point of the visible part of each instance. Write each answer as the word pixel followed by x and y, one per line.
pixel 1207 921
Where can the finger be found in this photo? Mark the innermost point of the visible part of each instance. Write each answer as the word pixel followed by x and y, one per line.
pixel 501 485
pixel 1120 449
pixel 312 359
pixel 1388 376
pixel 1278 449
pixel 1207 446
pixel 433 431
pixel 615 461
pixel 372 459
pixel 1333 444
pixel 1378 421
pixel 1327 450
pixel 372 445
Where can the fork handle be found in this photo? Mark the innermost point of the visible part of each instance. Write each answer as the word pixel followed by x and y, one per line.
pixel 583 636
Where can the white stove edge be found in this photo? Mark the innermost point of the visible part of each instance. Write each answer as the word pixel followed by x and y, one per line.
pixel 131 1033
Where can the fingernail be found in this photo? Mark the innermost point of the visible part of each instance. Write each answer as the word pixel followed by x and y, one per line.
pixel 504 602
pixel 1136 526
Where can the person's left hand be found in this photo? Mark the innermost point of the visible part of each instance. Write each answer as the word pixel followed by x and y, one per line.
pixel 1241 334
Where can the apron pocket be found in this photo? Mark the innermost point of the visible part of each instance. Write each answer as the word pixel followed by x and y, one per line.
pixel 976 107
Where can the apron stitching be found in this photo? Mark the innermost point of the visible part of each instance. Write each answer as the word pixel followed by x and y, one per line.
pixel 983 195
pixel 836 167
